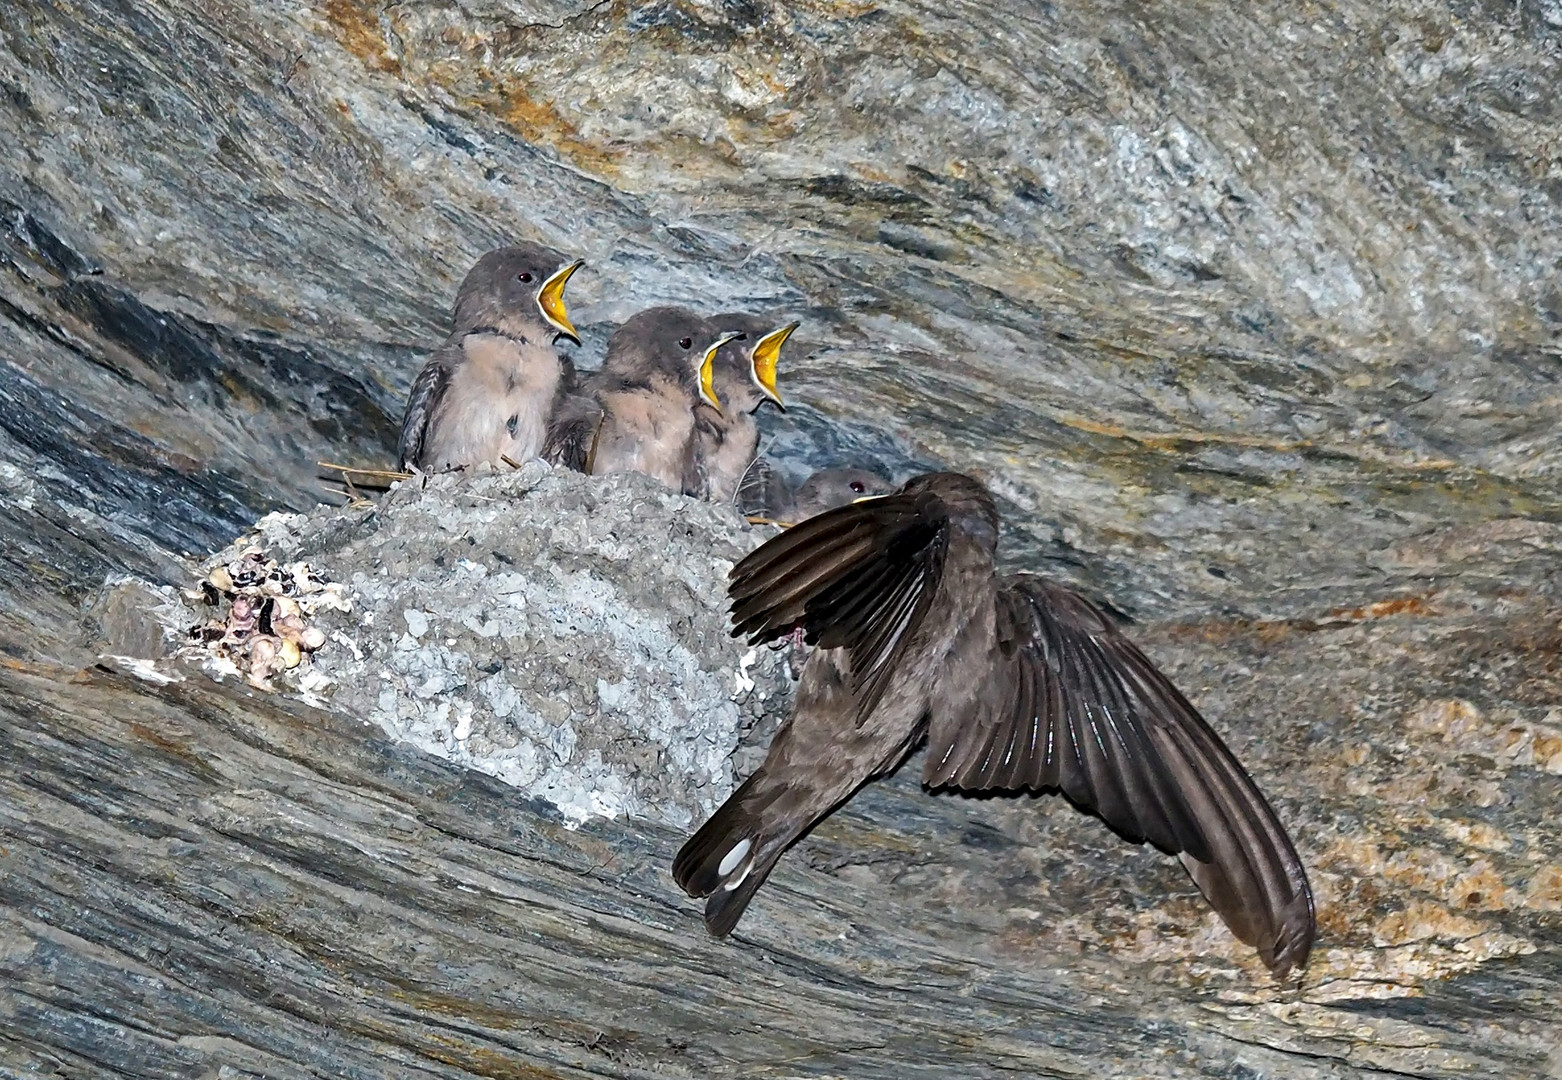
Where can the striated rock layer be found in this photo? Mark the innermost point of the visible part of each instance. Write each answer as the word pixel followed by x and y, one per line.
pixel 1250 313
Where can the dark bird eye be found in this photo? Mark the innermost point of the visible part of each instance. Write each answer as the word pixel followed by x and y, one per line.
pixel 684 343
pixel 524 275
pixel 857 487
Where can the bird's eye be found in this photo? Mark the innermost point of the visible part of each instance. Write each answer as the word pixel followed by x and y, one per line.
pixel 685 343
pixel 524 275
pixel 857 487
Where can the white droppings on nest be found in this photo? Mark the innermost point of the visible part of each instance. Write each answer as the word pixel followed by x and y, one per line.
pixel 744 683
pixel 347 643
pixel 310 683
pixel 262 616
pixel 145 670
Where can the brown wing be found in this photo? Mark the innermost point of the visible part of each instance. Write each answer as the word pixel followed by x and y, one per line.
pixel 858 578
pixel 762 492
pixel 695 481
pixel 1075 706
pixel 428 390
pixel 572 432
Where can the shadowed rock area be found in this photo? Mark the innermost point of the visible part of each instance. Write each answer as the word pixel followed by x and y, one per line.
pixel 1250 315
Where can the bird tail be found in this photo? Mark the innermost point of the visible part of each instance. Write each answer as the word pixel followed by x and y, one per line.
pixel 734 852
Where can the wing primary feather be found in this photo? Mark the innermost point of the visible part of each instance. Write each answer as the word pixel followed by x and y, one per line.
pixel 775 611
pixel 423 400
pixel 1086 713
pixel 854 601
pixel 803 541
pixel 1019 733
pixel 859 578
pixel 766 567
pixel 776 601
pixel 1117 732
pixel 1030 713
pixel 825 539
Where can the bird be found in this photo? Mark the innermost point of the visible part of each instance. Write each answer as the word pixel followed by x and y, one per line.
pixel 745 378
pixel 765 497
pixel 1015 681
pixel 487 393
pixel 636 413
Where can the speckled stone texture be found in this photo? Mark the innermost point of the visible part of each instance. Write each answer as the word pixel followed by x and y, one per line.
pixel 564 633
pixel 1249 312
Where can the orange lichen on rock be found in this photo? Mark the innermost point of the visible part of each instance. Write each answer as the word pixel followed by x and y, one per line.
pixel 1536 745
pixel 1452 719
pixel 1178 440
pixel 357 27
pixel 505 97
pixel 1422 921
pixel 1404 605
pixel 540 122
pixel 1447 880
pixel 1199 932
pixel 1545 889
pixel 1271 631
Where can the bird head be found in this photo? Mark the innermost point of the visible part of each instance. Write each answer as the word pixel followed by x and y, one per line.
pixel 515 287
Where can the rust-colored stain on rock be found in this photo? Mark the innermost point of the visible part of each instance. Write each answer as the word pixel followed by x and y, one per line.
pixel 357 28
pixel 505 97
pixel 540 122
pixel 1404 605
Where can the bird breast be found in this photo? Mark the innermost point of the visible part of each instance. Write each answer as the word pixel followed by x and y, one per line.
pixel 645 431
pixel 498 401
pixel 726 451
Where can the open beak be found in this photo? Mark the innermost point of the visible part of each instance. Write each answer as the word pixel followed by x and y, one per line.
pixel 550 300
pixel 767 353
pixel 708 371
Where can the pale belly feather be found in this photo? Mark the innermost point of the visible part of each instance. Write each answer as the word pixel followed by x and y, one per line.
pixel 497 404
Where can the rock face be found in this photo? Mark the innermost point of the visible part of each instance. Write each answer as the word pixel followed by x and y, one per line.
pixel 1250 314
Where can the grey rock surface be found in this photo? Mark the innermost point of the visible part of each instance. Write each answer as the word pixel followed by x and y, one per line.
pixel 1187 297
pixel 1249 312
pixel 566 634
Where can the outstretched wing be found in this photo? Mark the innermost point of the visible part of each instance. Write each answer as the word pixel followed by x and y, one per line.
pixel 858 578
pixel 1073 705
pixel 428 390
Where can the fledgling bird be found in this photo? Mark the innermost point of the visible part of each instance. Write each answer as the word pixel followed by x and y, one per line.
pixel 765 496
pixel 726 440
pixel 1015 681
pixel 487 393
pixel 636 413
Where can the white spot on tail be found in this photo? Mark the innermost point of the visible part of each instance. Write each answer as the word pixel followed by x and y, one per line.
pixel 735 882
pixel 729 861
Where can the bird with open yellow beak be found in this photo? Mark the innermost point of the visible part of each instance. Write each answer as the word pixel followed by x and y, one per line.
pixel 637 413
pixel 488 393
pixel 727 441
